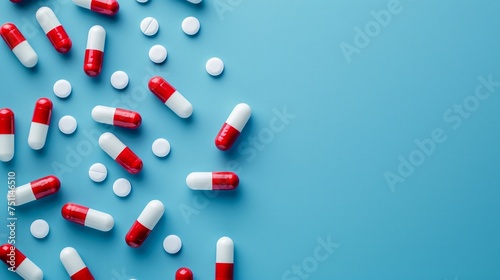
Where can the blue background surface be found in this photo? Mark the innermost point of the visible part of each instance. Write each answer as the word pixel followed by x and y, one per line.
pixel 318 176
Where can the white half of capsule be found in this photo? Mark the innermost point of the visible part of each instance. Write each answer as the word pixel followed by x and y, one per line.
pixel 6 147
pixel 180 105
pixel 96 38
pixel 99 220
pixel 29 270
pixel 71 260
pixel 239 116
pixel 225 250
pixel 199 180
pixel 151 214
pixel 23 194
pixel 37 135
pixel 83 3
pixel 26 54
pixel 111 144
pixel 47 19
pixel 103 114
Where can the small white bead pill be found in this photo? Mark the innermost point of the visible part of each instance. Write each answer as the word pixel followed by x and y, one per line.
pixel 144 1
pixel 190 25
pixel 119 80
pixel 62 88
pixel 214 66
pixel 194 1
pixel 161 147
pixel 39 228
pixel 122 187
pixel 158 54
pixel 67 124
pixel 172 244
pixel 98 172
pixel 149 26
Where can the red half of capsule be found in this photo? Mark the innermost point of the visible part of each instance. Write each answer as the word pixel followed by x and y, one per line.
pixel 127 118
pixel 227 137
pixel 161 88
pixel 74 213
pixel 11 256
pixel 224 271
pixel 92 65
pixel 225 180
pixel 6 121
pixel 137 235
pixel 130 161
pixel 60 39
pixel 43 111
pixel 83 274
pixel 11 34
pixel 45 186
pixel 106 7
pixel 16 1
pixel 184 273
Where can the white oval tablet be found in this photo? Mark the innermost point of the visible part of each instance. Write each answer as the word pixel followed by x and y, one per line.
pixel 62 88
pixel 194 1
pixel 190 25
pixel 149 26
pixel 119 80
pixel 142 1
pixel 67 124
pixel 172 244
pixel 98 172
pixel 39 228
pixel 161 147
pixel 214 66
pixel 158 53
pixel 122 187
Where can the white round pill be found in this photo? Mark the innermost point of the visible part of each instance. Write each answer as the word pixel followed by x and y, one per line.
pixel 158 53
pixel 119 80
pixel 39 228
pixel 172 244
pixel 122 187
pixel 161 147
pixel 62 88
pixel 215 66
pixel 98 172
pixel 149 26
pixel 67 124
pixel 194 1
pixel 142 1
pixel 190 25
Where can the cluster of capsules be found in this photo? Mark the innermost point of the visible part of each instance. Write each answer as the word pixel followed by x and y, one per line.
pixel 110 144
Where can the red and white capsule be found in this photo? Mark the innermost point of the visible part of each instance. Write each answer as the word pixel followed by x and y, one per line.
pixel 40 123
pixel 117 117
pixel 184 273
pixel 146 222
pixel 224 259
pixel 35 190
pixel 94 54
pixel 170 96
pixel 17 261
pixel 120 153
pixel 19 45
pixel 88 217
pixel 233 126
pixel 212 180
pixel 6 134
pixel 74 264
pixel 53 29
pixel 105 7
